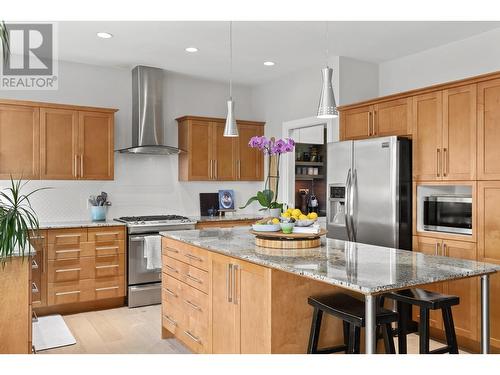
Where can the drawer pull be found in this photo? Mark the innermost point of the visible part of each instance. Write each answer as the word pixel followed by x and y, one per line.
pixel 190 256
pixel 173 250
pixel 34 317
pixel 34 288
pixel 106 288
pixel 194 279
pixel 37 238
pixel 170 292
pixel 68 251
pixel 171 268
pixel 107 234
pixel 191 304
pixel 170 320
pixel 67 293
pixel 68 235
pixel 107 248
pixel 68 270
pixel 192 337
pixel 34 264
pixel 109 266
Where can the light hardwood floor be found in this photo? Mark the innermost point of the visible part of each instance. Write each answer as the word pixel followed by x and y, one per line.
pixel 136 331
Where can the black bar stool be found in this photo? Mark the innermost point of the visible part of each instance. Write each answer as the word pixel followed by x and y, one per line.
pixel 426 301
pixel 352 312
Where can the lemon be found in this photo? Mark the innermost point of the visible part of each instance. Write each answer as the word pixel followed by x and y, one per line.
pixel 312 215
pixel 286 214
pixel 296 212
pixel 289 210
pixel 275 221
pixel 302 217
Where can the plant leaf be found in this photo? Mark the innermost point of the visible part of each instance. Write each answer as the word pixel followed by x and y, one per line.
pixel 252 199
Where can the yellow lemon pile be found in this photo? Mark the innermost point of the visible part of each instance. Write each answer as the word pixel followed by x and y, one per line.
pixel 298 215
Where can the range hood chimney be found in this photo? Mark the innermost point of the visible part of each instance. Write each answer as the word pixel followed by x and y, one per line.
pixel 147 113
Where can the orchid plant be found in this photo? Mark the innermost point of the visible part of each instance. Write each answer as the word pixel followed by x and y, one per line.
pixel 270 147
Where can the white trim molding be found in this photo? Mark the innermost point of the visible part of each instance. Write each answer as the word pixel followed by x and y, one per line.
pixel 287 168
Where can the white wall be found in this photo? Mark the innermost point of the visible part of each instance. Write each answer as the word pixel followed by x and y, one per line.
pixel 358 80
pixel 479 54
pixel 143 184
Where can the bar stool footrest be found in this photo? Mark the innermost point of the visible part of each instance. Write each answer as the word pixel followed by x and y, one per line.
pixel 332 349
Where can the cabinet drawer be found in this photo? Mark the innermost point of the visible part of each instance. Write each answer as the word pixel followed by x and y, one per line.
pixel 69 237
pixel 73 269
pixel 186 253
pixel 106 235
pixel 170 323
pixel 192 339
pixel 69 292
pixel 186 273
pixel 66 251
pixel 109 265
pixel 171 289
pixel 108 287
pixel 109 248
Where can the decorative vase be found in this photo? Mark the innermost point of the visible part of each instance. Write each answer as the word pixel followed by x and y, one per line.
pixel 274 212
pixel 98 213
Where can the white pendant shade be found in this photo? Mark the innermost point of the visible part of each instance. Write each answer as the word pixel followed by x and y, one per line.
pixel 327 106
pixel 231 129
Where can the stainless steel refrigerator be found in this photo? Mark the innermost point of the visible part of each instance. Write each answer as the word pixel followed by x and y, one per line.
pixel 370 191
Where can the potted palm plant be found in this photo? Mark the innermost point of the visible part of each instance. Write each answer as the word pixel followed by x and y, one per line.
pixel 18 220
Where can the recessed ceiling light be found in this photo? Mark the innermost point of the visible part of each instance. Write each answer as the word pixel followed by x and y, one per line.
pixel 104 35
pixel 268 63
pixel 192 49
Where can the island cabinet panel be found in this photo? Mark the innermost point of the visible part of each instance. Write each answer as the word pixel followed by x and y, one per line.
pixel 209 156
pixel 39 269
pixel 19 142
pixel 488 130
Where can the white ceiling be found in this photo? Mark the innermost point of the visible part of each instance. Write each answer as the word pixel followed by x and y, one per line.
pixel 291 45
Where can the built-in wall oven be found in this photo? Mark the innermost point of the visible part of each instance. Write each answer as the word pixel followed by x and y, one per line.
pixel 448 213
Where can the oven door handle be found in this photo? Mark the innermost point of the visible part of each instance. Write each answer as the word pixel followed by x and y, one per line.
pixel 136 239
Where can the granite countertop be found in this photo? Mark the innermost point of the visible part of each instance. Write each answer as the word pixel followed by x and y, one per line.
pixel 228 217
pixel 359 267
pixel 78 224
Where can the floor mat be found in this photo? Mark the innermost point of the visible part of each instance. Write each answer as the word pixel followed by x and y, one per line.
pixel 51 332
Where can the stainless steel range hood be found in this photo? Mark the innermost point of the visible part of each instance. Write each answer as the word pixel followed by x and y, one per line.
pixel 147 113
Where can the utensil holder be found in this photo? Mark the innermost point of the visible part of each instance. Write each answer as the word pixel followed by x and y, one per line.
pixel 98 213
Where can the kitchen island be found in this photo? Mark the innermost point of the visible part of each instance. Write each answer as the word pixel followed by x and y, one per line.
pixel 254 300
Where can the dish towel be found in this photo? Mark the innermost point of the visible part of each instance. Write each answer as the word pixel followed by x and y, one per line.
pixel 152 252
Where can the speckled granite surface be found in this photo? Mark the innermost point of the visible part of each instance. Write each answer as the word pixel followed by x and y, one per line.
pixel 228 217
pixel 363 268
pixel 79 224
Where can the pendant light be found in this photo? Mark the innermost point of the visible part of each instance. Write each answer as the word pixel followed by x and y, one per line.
pixel 231 128
pixel 327 106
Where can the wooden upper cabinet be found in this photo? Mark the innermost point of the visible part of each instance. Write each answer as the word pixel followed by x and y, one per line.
pixel 58 144
pixel 95 145
pixel 459 133
pixel 209 156
pixel 250 161
pixel 488 208
pixel 427 136
pixel 356 123
pixel 393 118
pixel 488 130
pixel 19 142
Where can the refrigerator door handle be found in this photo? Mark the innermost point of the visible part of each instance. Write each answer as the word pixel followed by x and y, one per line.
pixel 351 206
pixel 347 204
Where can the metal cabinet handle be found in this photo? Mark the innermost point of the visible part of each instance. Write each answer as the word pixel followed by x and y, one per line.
pixel 229 283
pixel 437 248
pixel 445 249
pixel 192 337
pixel 373 122
pixel 170 292
pixel 107 248
pixel 445 162
pixel 136 239
pixel 34 264
pixel 171 268
pixel 239 169
pixel 34 287
pixel 190 256
pixel 68 270
pixel 215 170
pixel 438 163
pixel 68 235
pixel 234 289
pixel 107 234
pixel 191 304
pixel 107 266
pixel 68 251
pixel 67 293
pixel 81 165
pixel 369 124
pixel 170 320
pixel 106 288
pixel 194 279
pixel 172 250
pixel 34 317
pixel 75 172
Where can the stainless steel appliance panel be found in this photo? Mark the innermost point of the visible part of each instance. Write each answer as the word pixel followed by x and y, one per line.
pixel 137 270
pixel 144 295
pixel 374 208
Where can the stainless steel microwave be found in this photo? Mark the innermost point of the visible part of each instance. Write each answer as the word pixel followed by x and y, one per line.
pixel 448 213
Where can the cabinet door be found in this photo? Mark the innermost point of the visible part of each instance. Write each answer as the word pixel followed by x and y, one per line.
pixel 488 130
pixel 59 144
pixel 225 313
pixel 393 118
pixel 19 142
pixel 488 214
pixel 200 149
pixel 459 133
pixel 95 143
pixel 223 153
pixel 356 123
pixel 253 285
pixel 250 162
pixel 427 134
pixel 430 246
pixel 465 314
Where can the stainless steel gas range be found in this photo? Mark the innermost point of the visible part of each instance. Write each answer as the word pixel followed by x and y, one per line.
pixel 144 286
